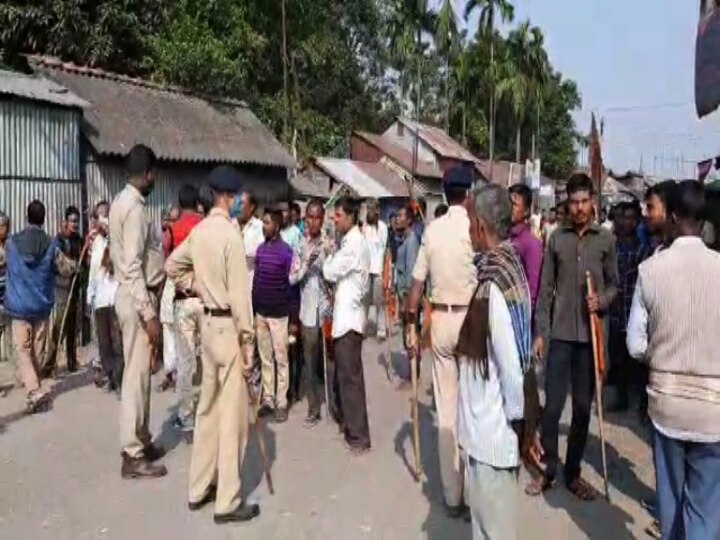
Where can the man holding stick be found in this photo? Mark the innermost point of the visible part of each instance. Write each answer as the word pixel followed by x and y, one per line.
pixel 446 259
pixel 212 263
pixel 575 248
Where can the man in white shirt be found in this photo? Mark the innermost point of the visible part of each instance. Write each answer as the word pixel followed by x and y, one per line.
pixel 307 272
pixel 376 236
pixel 348 268
pixel 252 230
pixel 494 352
pixel 673 325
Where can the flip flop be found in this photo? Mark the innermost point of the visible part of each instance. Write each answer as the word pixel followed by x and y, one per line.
pixel 582 490
pixel 539 485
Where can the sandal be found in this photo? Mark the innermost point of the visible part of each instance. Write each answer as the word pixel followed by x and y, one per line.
pixel 539 485
pixel 38 402
pixel 582 490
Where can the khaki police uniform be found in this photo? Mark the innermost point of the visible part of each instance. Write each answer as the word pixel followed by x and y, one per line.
pixel 446 258
pixel 137 257
pixel 212 262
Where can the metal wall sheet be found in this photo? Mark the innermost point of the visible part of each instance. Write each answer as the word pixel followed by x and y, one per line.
pixel 16 194
pixel 106 178
pixel 39 141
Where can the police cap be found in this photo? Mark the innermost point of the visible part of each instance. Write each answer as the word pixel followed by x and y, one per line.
pixel 225 178
pixel 460 177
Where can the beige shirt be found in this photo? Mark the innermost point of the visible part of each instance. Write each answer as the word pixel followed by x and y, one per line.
pixel 213 257
pixel 446 257
pixel 135 249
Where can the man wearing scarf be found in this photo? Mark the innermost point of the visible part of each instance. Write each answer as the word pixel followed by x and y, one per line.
pixel 494 357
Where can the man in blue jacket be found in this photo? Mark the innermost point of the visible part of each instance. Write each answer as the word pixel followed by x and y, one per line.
pixel 32 259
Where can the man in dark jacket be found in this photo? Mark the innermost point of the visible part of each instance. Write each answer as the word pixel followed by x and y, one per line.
pixel 71 244
pixel 32 259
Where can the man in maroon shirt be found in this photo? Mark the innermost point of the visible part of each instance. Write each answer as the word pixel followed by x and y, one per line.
pixel 527 245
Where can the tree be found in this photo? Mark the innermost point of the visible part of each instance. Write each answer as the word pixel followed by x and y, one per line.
pixel 488 10
pixel 448 45
pixel 523 75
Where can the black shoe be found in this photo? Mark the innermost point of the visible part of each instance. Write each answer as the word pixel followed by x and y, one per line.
pixel 137 468
pixel 281 415
pixel 312 419
pixel 457 512
pixel 153 452
pixel 266 409
pixel 209 497
pixel 244 512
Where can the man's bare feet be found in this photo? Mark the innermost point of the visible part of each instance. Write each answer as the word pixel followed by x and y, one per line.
pixel 539 485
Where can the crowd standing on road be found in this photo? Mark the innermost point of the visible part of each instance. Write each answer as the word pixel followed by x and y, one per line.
pixel 248 315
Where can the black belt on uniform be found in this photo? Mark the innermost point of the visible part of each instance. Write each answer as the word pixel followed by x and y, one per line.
pixel 183 295
pixel 448 308
pixel 157 289
pixel 218 312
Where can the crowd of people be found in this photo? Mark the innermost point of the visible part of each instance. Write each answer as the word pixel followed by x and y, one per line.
pixel 251 312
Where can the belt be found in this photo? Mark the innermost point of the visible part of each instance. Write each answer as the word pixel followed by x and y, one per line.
pixel 182 295
pixel 218 312
pixel 157 289
pixel 448 308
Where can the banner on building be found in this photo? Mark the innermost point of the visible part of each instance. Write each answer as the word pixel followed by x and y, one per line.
pixel 707 58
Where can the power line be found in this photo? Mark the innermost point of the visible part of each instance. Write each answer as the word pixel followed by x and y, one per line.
pixel 632 108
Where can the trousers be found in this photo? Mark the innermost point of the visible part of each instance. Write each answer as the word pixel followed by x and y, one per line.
pixel 272 341
pixel 221 420
pixel 63 301
pixel 444 333
pixel 688 488
pixel 135 394
pixel 375 301
pixel 351 386
pixel 6 341
pixel 568 363
pixel 109 343
pixel 188 313
pixel 29 338
pixel 493 501
pixel 312 349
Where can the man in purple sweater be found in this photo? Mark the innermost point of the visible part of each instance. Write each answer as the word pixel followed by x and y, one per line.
pixel 270 298
pixel 527 245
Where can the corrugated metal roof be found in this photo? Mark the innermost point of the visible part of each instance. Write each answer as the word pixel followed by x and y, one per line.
pixel 365 179
pixel 504 173
pixel 438 140
pixel 399 155
pixel 177 125
pixel 38 89
pixel 303 184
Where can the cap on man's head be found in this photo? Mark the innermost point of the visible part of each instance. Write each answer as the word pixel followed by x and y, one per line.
pixel 460 177
pixel 226 179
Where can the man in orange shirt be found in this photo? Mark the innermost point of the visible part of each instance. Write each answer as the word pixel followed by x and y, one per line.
pixel 188 311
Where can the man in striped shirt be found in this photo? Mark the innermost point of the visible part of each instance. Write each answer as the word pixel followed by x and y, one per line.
pixel 270 300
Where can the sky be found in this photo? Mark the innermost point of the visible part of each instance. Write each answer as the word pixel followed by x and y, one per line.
pixel 634 63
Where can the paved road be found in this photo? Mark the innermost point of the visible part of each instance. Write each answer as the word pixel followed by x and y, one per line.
pixel 59 477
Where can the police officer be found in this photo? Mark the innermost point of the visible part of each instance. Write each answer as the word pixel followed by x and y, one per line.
pixel 137 257
pixel 446 260
pixel 212 263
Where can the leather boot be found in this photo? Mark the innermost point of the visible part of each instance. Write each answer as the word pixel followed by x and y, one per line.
pixel 136 468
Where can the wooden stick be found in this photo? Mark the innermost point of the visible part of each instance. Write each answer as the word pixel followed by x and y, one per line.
pixel 325 371
pixel 261 438
pixel 388 339
pixel 414 353
pixel 596 335
pixel 66 310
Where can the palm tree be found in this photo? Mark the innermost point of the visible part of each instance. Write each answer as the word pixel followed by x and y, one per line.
pixel 488 10
pixel 447 43
pixel 461 73
pixel 409 20
pixel 524 75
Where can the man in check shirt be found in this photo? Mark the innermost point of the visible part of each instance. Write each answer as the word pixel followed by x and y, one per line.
pixel 348 268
